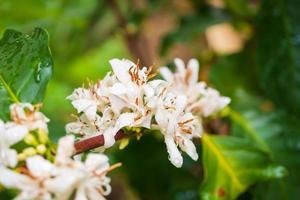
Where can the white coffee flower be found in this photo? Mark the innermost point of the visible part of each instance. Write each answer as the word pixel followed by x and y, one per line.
pixel 42 180
pixel 125 98
pixel 28 115
pixel 178 127
pixel 84 101
pixel 183 76
pixel 131 92
pixel 107 125
pixel 90 180
pixel 10 133
pixel 32 183
pixel 202 100
pixel 210 103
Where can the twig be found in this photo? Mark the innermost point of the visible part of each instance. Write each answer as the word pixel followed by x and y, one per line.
pixel 137 44
pixel 94 142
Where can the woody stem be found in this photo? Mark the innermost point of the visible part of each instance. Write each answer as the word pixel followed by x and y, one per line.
pixel 94 142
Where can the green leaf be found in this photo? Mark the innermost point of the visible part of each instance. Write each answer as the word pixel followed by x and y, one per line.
pixel 278 50
pixel 25 67
pixel 280 131
pixel 231 165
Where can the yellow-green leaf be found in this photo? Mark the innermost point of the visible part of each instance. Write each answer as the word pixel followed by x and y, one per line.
pixel 231 165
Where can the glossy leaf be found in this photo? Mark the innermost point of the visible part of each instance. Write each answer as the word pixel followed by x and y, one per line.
pixel 278 52
pixel 280 131
pixel 25 67
pixel 231 165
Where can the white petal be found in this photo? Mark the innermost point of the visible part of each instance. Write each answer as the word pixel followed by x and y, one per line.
pixel 64 184
pixel 125 119
pixel 109 137
pixel 8 157
pixel 172 124
pixel 81 194
pixel 166 74
pixel 118 89
pixel 188 146
pixel 117 104
pixel 224 102
pixel 181 102
pixel 14 133
pixel 106 185
pixel 156 83
pixel 193 66
pixel 146 121
pixel 97 162
pixel 65 149
pixel 180 66
pixel 83 104
pixel 91 112
pixel 1 126
pixel 174 154
pixel 94 194
pixel 149 91
pixel 161 120
pixel 74 127
pixel 11 179
pixel 39 167
pixel 120 69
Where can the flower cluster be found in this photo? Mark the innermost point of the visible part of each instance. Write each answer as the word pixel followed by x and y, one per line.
pixel 44 180
pixel 127 98
pixel 38 178
pixel 25 118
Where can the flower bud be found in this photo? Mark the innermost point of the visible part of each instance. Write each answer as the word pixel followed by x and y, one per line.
pixel 30 151
pixel 41 149
pixel 21 156
pixel 43 136
pixel 30 140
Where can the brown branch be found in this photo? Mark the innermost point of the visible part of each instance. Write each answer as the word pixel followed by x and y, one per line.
pixel 94 142
pixel 136 42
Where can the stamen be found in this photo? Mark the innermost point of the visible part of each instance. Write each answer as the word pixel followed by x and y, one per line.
pixel 188 131
pixel 137 118
pixel 114 166
pixel 151 76
pixel 185 122
pixel 131 73
pixel 163 91
pixel 149 69
pixel 25 171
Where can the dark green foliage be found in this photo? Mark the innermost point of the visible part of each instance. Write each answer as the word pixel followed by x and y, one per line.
pixel 278 52
pixel 146 164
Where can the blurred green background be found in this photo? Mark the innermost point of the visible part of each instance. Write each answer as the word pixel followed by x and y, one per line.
pixel 248 49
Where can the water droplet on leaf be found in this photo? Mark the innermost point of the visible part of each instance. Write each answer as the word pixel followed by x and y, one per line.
pixel 37 73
